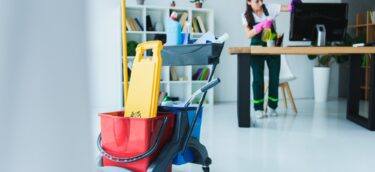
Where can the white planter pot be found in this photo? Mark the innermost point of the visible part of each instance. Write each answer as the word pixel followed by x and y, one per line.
pixel 321 83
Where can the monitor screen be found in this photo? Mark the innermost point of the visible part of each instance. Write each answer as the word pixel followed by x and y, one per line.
pixel 305 17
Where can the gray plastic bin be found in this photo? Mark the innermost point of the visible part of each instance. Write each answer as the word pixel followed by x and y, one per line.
pixel 193 54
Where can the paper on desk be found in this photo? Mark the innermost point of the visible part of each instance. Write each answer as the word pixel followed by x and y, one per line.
pixel 208 36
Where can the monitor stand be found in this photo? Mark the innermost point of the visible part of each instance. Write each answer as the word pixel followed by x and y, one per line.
pixel 321 40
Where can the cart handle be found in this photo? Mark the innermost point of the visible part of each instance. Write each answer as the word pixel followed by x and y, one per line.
pixel 135 158
pixel 210 85
pixel 203 89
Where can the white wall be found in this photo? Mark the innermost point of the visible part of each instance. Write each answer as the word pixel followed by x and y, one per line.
pixel 44 101
pixel 230 22
pixel 105 26
pixel 5 12
pixel 105 45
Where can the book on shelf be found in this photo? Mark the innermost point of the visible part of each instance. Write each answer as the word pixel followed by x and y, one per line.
pixel 198 29
pixel 197 74
pixel 128 26
pixel 149 23
pixel 133 25
pixel 162 94
pixel 194 24
pixel 185 28
pixel 201 74
pixel 136 26
pixel 174 76
pixel 207 74
pixel 139 24
pixel 372 17
pixel 129 20
pixel 201 24
pixel 183 19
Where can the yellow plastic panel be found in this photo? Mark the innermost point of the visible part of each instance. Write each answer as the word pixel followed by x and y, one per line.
pixel 145 82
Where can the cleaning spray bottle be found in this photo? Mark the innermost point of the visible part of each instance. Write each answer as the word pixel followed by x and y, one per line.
pixel 173 29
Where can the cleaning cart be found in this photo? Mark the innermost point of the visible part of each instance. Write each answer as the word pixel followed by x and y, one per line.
pixel 162 150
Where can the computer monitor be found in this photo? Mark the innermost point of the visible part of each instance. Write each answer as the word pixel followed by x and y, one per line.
pixel 319 22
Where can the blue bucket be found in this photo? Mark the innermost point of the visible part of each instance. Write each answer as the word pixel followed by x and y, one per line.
pixel 188 156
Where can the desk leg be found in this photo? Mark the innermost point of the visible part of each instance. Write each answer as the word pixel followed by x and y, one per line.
pixel 354 92
pixel 371 115
pixel 354 88
pixel 243 90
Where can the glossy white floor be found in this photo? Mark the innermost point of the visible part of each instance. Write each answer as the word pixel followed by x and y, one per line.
pixel 318 138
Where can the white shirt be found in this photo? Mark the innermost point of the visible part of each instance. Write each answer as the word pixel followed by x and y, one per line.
pixel 273 12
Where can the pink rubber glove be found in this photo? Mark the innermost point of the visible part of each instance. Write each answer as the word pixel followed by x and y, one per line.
pixel 266 24
pixel 292 3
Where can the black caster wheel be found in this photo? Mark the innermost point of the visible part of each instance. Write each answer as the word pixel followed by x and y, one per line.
pixel 208 161
pixel 206 169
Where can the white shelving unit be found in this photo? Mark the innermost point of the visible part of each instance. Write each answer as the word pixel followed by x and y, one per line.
pixel 185 86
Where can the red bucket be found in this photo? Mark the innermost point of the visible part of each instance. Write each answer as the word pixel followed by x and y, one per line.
pixel 133 143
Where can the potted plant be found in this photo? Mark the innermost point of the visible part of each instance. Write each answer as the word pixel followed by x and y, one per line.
pixel 322 69
pixel 198 3
pixel 140 2
pixel 173 4
pixel 322 72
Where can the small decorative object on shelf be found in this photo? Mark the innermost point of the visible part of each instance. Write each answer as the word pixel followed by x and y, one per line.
pixel 140 2
pixel 173 4
pixel 198 3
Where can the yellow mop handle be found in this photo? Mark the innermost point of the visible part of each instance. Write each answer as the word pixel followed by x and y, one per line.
pixel 124 50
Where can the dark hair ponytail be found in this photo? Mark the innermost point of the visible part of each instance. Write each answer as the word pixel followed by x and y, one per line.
pixel 249 16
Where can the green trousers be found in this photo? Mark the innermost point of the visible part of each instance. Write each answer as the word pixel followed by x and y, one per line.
pixel 257 65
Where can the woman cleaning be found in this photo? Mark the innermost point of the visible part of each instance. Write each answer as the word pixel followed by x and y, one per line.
pixel 257 17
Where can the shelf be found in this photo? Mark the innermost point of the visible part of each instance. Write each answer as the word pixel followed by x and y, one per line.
pixel 177 88
pixel 154 8
pixel 367 67
pixel 134 32
pixel 178 9
pixel 361 25
pixel 179 82
pixel 130 57
pixel 199 82
pixel 358 26
pixel 174 82
pixel 155 32
pixel 138 7
pixel 200 10
pixel 197 33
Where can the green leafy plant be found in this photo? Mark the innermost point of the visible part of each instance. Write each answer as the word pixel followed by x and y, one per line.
pixel 131 46
pixel 328 60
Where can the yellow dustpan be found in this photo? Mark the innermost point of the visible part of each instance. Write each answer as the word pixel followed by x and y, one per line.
pixel 144 85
